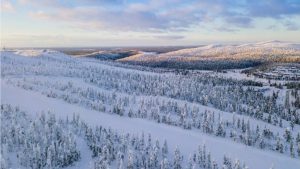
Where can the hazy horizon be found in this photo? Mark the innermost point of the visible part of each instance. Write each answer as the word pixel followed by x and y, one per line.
pixel 140 46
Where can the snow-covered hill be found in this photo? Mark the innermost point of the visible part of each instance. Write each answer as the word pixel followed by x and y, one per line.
pixel 107 54
pixel 262 51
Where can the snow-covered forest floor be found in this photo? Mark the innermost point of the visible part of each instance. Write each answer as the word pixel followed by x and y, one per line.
pixel 58 111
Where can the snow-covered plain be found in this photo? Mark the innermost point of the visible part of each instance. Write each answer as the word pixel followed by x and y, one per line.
pixel 32 99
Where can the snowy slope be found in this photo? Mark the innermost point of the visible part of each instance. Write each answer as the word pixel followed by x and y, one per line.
pixel 187 141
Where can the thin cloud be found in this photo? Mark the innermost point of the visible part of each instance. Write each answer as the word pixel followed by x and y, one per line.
pixel 292 26
pixel 162 16
pixel 7 6
pixel 225 29
pixel 273 8
pixel 170 37
pixel 240 21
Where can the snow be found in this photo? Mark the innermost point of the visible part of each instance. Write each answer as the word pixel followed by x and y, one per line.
pixel 262 50
pixel 33 102
pixel 34 52
pixel 186 140
pixel 225 115
pixel 86 160
pixel 29 53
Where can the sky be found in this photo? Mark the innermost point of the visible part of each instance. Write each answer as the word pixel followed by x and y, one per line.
pixel 95 23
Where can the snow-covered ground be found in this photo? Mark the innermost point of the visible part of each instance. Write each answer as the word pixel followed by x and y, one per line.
pixel 34 102
pixel 187 141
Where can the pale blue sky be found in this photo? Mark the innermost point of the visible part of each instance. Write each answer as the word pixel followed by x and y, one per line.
pixel 80 23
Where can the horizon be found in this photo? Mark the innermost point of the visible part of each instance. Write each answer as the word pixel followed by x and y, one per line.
pixel 145 46
pixel 146 23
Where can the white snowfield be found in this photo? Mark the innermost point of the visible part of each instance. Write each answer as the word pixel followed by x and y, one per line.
pixel 35 53
pixel 34 102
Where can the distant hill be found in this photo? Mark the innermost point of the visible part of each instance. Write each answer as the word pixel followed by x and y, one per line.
pixel 107 54
pixel 221 56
